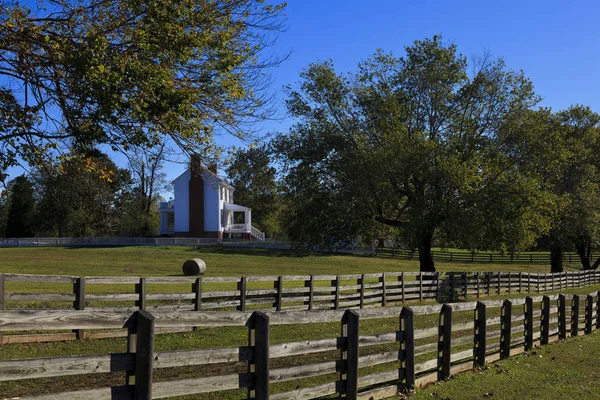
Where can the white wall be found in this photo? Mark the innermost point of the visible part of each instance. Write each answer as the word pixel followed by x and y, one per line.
pixel 212 209
pixel 182 202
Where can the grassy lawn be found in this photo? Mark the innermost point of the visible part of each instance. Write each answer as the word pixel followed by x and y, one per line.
pixel 559 371
pixel 167 261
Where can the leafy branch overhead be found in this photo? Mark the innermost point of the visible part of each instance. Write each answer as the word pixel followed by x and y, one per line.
pixel 130 73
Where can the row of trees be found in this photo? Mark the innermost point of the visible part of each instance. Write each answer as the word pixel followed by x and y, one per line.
pixel 85 195
pixel 429 149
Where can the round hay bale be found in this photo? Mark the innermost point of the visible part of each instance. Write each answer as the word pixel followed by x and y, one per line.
pixel 194 266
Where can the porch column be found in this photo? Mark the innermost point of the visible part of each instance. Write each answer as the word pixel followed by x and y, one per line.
pixel 248 219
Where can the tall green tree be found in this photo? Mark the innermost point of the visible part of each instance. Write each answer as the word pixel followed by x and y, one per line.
pixel 252 174
pixel 81 197
pixel 128 72
pixel 20 219
pixel 408 142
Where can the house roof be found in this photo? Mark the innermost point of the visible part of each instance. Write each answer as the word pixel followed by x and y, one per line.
pixel 212 179
pixel 234 207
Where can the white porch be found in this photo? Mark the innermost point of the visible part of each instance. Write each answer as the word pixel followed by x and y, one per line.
pixel 238 219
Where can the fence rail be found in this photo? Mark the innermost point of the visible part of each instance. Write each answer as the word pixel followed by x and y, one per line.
pixel 469 257
pixel 489 330
pixel 246 293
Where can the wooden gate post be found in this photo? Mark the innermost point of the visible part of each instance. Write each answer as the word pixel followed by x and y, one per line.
pixel 79 303
pixel 258 337
pixel 480 345
pixel 575 315
pixel 589 314
pixel 144 355
pixel 444 342
pixel 562 317
pixel 350 330
pixel 545 334
pixel 505 329
pixel 407 349
pixel 403 287
pixel 528 323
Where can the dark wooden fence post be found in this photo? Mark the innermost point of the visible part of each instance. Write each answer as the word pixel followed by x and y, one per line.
pixel 2 295
pixel 336 282
pixel 444 342
pixel 589 314
pixel 197 290
pixel 420 286
pixel 509 283
pixel 466 286
pixel 562 317
pixel 477 277
pixel 489 283
pixel 403 287
pixel 520 282
pixel 258 337
pixel 242 289
pixel 79 303
pixel 575 316
pixel 383 290
pixel 437 286
pixel 140 289
pixel 498 274
pixel 144 355
pixel 528 323
pixel 361 282
pixel 350 330
pixel 598 310
pixel 545 334
pixel 311 291
pixel 505 329
pixel 279 287
pixel 407 349
pixel 452 287
pixel 480 345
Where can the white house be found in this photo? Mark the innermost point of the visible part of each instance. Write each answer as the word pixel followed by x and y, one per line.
pixel 203 207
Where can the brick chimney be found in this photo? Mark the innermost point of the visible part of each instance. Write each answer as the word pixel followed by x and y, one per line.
pixel 196 197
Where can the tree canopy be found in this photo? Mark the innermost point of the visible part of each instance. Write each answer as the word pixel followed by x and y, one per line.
pixel 417 143
pixel 125 72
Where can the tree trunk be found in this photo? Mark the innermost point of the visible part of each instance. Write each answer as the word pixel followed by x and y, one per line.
pixel 584 252
pixel 556 258
pixel 425 256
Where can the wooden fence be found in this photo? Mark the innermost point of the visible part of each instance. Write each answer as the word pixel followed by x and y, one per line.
pixel 278 293
pixel 419 351
pixel 469 257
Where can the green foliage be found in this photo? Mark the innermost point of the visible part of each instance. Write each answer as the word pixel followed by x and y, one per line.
pixel 254 179
pixel 415 143
pixel 20 218
pixel 82 196
pixel 129 72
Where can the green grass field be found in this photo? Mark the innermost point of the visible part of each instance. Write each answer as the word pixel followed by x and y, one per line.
pixel 558 371
pixel 166 261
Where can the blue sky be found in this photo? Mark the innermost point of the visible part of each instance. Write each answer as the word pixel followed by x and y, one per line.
pixel 556 43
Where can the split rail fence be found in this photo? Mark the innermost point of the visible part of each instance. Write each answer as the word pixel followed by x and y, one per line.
pixel 456 337
pixel 278 293
pixel 469 257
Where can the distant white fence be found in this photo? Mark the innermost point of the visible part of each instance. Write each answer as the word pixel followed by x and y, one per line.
pixel 138 241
